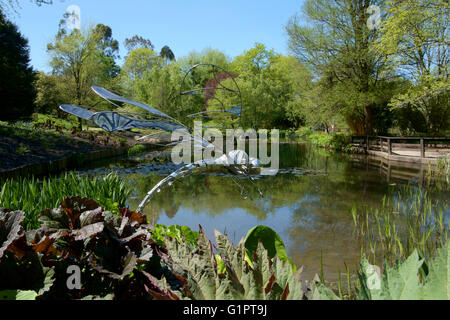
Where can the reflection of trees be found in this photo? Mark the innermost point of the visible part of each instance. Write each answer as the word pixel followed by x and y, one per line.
pixel 215 195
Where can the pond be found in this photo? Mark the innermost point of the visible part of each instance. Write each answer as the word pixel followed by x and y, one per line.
pixel 308 202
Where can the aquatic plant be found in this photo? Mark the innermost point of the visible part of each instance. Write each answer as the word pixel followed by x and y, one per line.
pixel 33 195
pixel 408 220
pixel 105 247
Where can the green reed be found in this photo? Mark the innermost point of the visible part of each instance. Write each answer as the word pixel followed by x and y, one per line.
pixel 438 176
pixel 410 220
pixel 32 195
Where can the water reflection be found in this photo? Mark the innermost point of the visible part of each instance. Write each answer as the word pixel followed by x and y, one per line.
pixel 308 203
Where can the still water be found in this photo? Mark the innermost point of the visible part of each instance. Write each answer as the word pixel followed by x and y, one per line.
pixel 308 203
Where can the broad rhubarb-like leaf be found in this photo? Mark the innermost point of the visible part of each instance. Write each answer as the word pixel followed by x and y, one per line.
pixel 10 228
pixel 437 284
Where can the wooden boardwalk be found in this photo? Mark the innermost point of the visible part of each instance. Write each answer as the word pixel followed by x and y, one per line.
pixel 404 149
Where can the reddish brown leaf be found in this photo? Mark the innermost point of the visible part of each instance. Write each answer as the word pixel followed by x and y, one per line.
pixel 285 292
pixel 45 246
pixel 270 284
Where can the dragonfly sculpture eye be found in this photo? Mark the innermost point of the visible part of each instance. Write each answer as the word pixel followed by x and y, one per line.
pixel 211 85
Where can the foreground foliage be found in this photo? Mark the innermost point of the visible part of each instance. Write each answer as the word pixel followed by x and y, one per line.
pixel 118 259
pixel 82 251
pixel 402 282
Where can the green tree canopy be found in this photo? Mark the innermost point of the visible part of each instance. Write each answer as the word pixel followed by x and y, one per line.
pixel 84 58
pixel 415 38
pixel 336 44
pixel 17 93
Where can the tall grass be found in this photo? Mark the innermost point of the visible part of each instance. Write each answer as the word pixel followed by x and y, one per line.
pixel 32 195
pixel 407 221
pixel 438 176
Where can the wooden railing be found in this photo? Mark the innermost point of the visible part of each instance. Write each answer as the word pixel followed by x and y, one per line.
pixel 382 141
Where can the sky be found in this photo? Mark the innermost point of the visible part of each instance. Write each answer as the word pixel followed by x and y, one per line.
pixel 231 26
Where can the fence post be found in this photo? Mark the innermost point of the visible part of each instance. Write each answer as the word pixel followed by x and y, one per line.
pixel 389 146
pixel 422 147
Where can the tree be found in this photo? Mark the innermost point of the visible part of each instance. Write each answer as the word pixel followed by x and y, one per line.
pixel 207 55
pixel 138 42
pixel 160 87
pixel 198 77
pixel 51 93
pixel 5 5
pixel 84 58
pixel 137 62
pixel 17 93
pixel 108 49
pixel 266 87
pixel 414 36
pixel 337 45
pixel 167 54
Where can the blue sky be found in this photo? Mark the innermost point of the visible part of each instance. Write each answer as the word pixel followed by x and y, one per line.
pixel 231 26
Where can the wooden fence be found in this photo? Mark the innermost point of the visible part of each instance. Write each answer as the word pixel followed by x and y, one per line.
pixel 379 143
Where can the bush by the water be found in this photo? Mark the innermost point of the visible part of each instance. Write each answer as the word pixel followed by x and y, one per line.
pixel 134 150
pixel 333 141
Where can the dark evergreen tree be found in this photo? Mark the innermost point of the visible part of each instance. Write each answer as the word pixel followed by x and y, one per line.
pixel 17 92
pixel 167 54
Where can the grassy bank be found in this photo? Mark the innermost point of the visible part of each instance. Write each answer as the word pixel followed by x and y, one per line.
pixel 43 141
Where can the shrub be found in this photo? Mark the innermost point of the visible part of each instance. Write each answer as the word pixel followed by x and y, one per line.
pixel 52 122
pixel 333 141
pixel 134 150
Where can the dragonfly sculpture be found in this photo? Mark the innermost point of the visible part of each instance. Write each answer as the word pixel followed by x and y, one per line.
pixel 237 162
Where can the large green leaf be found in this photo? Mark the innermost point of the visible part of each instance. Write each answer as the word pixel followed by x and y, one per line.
pixel 370 280
pixel 271 241
pixel 437 285
pixel 255 278
pixel 197 268
pixel 402 281
pixel 318 291
pixel 18 295
pixel 227 275
pixel 287 280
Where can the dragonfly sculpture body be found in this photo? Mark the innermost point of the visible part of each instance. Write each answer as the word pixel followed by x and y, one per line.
pixel 237 161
